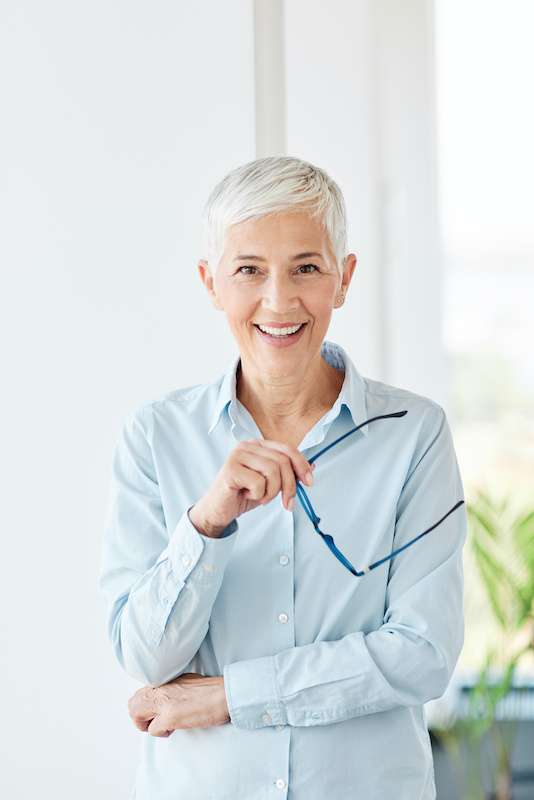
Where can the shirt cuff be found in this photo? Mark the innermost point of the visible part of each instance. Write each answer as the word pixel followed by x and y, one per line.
pixel 198 557
pixel 252 694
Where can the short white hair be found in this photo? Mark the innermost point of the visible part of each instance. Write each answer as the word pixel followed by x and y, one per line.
pixel 269 185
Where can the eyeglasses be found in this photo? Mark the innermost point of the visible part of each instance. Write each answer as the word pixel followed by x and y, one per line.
pixel 308 508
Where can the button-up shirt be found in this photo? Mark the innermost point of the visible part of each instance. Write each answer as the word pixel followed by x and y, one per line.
pixel 325 673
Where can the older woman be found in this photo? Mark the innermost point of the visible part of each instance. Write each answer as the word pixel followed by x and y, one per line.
pixel 282 557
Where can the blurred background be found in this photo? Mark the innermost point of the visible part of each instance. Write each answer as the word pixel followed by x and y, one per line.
pixel 117 120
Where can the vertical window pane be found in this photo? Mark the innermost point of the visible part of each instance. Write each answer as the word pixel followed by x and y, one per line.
pixel 485 64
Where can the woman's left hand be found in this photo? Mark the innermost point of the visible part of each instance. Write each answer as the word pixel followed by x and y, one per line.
pixel 188 701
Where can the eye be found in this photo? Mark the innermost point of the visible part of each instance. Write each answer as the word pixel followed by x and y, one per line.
pixel 302 266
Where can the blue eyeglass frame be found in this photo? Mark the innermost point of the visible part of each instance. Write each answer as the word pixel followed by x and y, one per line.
pixel 329 541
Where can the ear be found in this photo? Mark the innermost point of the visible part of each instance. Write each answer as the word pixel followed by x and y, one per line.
pixel 348 270
pixel 207 279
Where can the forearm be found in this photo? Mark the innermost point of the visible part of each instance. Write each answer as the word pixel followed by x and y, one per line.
pixel 160 627
pixel 328 682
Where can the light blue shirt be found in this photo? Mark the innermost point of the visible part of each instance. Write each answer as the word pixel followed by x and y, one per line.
pixel 325 673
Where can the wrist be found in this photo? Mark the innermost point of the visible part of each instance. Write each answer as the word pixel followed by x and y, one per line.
pixel 224 702
pixel 202 523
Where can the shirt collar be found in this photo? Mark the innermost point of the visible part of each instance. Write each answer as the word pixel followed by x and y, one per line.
pixel 352 392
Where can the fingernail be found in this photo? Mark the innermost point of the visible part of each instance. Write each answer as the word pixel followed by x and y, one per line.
pixel 290 504
pixel 309 477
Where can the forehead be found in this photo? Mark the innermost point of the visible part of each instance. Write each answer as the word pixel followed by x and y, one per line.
pixel 282 232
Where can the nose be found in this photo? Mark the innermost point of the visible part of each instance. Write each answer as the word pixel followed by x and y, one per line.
pixel 279 295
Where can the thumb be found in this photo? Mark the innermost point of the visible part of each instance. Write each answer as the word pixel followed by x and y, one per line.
pixel 159 727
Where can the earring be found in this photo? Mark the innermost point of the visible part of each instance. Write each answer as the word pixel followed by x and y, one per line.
pixel 341 298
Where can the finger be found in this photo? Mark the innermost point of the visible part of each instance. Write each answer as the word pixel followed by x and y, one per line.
pixel 258 474
pixel 299 463
pixel 143 704
pixel 283 465
pixel 288 481
pixel 286 464
pixel 249 480
pixel 142 724
pixel 159 726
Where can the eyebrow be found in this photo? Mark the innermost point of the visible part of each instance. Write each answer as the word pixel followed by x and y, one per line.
pixel 294 258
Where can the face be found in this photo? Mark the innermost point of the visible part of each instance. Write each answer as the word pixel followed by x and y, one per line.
pixel 278 271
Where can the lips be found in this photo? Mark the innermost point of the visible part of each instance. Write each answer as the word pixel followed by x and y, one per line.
pixel 278 324
pixel 278 327
pixel 283 340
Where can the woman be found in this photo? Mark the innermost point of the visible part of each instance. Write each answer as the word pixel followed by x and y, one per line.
pixel 276 662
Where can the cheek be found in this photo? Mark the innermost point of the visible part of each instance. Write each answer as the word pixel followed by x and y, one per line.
pixel 239 309
pixel 321 303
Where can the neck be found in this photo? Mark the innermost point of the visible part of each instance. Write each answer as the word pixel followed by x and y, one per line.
pixel 286 401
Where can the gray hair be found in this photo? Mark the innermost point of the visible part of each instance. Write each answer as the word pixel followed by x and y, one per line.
pixel 268 185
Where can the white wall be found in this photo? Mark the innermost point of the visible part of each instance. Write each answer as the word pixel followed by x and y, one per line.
pixel 117 119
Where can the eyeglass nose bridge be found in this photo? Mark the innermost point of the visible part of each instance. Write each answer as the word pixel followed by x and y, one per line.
pixel 328 539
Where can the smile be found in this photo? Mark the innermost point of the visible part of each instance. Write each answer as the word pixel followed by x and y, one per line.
pixel 283 337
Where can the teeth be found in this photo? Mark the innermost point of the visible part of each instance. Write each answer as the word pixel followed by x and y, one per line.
pixel 280 331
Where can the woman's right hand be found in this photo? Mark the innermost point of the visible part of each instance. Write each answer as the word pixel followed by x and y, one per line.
pixel 255 471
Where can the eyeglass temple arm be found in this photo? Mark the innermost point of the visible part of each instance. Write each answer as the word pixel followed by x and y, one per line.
pixel 353 430
pixel 407 544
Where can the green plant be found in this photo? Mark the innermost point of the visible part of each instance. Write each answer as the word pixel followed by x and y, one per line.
pixel 502 542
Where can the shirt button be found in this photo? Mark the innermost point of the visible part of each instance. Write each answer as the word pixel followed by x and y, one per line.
pixel 316 715
pixel 284 559
pixel 185 559
pixel 280 783
pixel 267 718
pixel 283 617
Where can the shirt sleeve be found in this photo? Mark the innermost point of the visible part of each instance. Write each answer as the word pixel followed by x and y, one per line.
pixel 411 657
pixel 159 586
